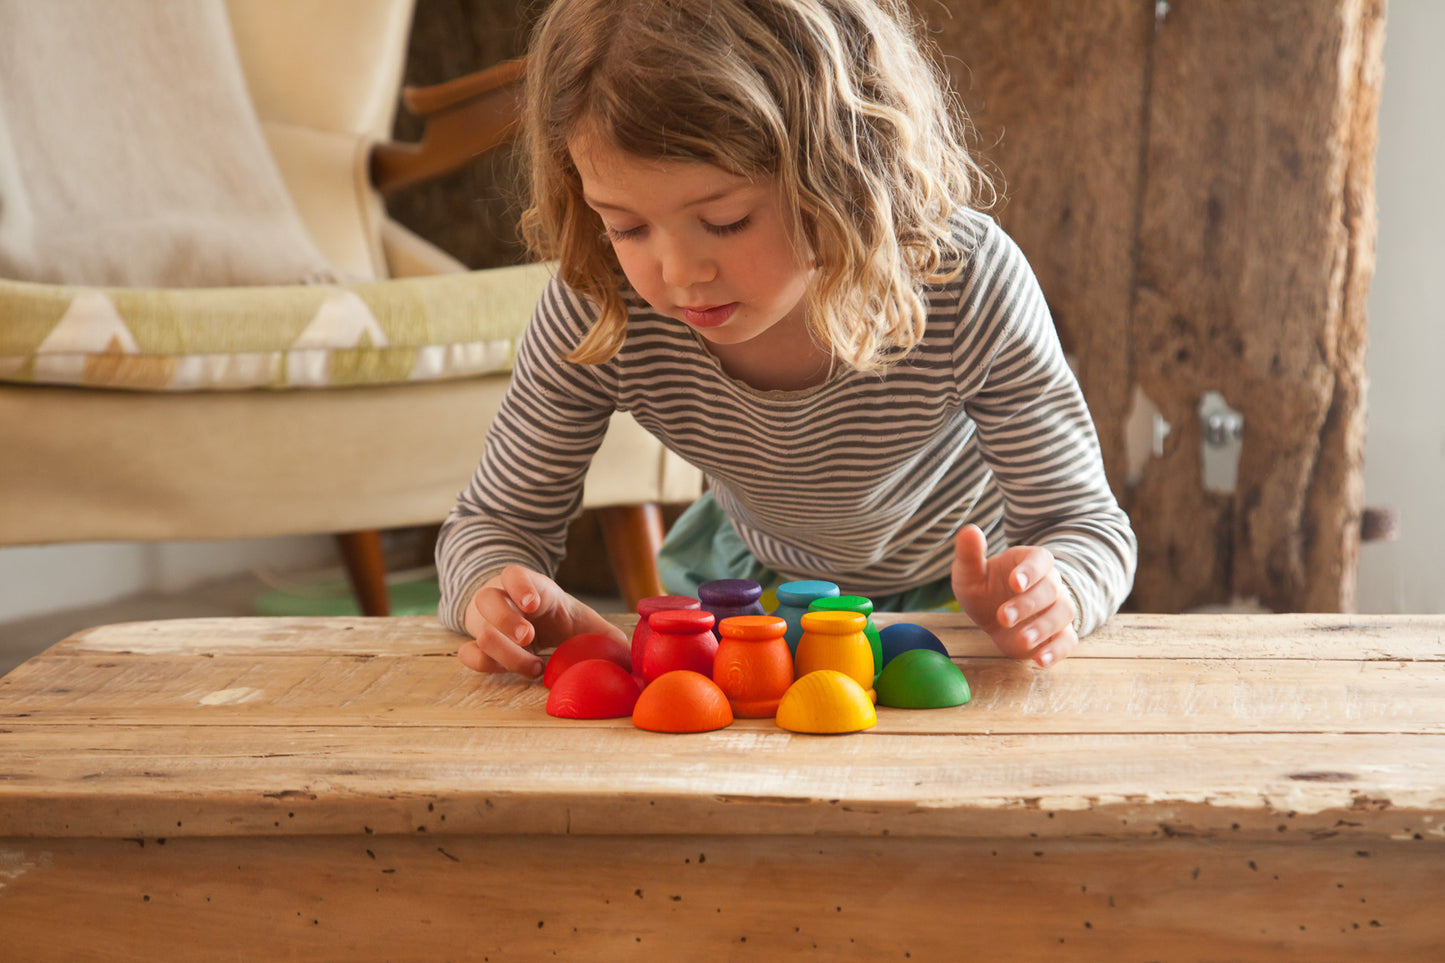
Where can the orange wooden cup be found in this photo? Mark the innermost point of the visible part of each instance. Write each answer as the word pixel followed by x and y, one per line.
pixel 753 665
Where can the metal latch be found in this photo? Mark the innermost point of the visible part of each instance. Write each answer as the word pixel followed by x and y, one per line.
pixel 1221 431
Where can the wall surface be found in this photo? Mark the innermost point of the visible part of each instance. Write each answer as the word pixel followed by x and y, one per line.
pixel 38 580
pixel 1405 447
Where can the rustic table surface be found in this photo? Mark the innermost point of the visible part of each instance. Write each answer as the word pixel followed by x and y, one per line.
pixel 1185 787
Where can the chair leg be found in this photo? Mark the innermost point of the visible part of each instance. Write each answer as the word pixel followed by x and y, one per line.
pixel 366 568
pixel 633 534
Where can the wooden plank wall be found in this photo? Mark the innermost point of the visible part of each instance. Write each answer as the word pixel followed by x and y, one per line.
pixel 1194 185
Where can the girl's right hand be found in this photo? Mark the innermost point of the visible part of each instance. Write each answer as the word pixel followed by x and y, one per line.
pixel 516 609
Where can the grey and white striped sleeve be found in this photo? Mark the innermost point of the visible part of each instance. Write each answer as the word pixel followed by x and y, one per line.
pixel 528 485
pixel 1037 436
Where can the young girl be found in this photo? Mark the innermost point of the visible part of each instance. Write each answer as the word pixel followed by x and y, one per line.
pixel 770 255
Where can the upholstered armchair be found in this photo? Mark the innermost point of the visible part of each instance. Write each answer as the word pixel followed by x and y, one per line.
pixel 230 404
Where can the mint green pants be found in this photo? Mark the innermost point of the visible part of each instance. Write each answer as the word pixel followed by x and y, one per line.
pixel 702 545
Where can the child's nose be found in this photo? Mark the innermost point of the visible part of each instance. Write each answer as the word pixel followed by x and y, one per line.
pixel 683 266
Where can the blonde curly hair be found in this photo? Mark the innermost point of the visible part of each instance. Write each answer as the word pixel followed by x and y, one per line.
pixel 834 98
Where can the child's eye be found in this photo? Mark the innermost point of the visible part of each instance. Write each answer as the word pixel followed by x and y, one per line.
pixel 725 229
pixel 616 235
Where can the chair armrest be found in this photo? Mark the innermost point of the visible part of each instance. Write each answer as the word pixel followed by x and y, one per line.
pixel 465 117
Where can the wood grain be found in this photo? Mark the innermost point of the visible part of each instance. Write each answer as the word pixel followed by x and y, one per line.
pixel 1080 695
pixel 303 788
pixel 222 724
pixel 1253 252
pixel 1056 92
pixel 698 898
pixel 1291 636
pixel 155 781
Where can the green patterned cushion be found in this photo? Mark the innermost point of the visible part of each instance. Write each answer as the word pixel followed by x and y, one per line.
pixel 197 339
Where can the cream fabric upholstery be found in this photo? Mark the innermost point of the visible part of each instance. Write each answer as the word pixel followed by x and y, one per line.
pixel 323 64
pixel 411 256
pixel 84 464
pixel 140 466
pixel 324 83
pixel 131 154
pixel 326 175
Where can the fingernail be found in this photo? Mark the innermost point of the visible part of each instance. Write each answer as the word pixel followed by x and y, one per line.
pixel 521 634
pixel 530 602
pixel 1045 658
pixel 535 669
pixel 1009 616
pixel 1029 636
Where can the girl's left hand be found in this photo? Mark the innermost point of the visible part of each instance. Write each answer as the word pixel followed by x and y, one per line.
pixel 1017 597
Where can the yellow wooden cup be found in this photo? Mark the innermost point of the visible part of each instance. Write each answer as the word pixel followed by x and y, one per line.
pixel 836 640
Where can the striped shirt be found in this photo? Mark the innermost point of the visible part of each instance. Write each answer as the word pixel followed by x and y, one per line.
pixel 863 480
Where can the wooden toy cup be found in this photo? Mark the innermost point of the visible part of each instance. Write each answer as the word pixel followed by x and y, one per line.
pixel 753 666
pixel 729 597
pixel 793 601
pixel 835 640
pixel 648 607
pixel 679 640
pixel 864 607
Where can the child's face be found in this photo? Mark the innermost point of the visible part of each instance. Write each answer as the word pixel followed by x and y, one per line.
pixel 706 247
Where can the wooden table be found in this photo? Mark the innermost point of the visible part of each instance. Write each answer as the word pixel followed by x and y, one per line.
pixel 1187 787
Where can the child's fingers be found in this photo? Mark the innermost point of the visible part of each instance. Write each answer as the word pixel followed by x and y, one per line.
pixel 553 614
pixel 522 588
pixel 1056 648
pixel 582 618
pixel 493 608
pixel 970 555
pixel 505 654
pixel 1023 639
pixel 1040 594
pixel 1045 625
pixel 472 656
pixel 501 632
pixel 1031 568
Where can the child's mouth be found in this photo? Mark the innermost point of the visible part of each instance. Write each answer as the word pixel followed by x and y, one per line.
pixel 709 317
